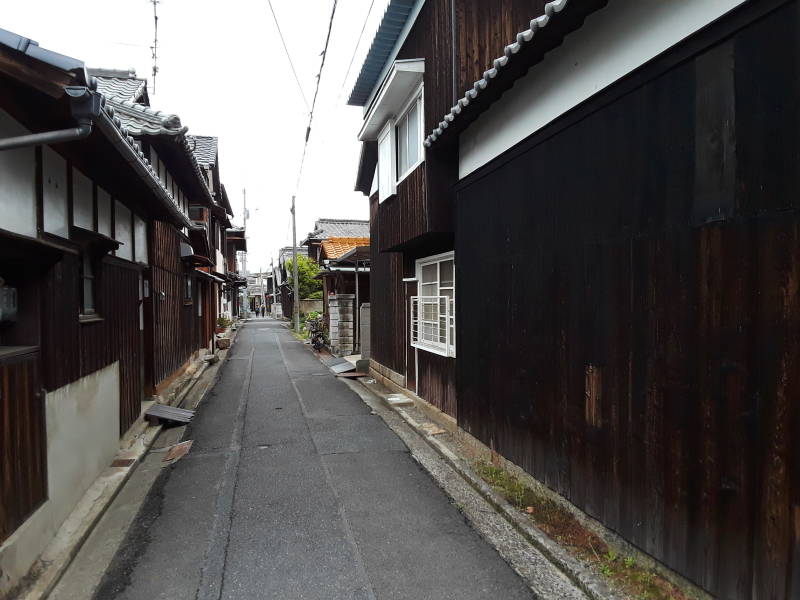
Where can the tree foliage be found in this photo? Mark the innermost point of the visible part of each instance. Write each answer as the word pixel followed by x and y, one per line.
pixel 307 269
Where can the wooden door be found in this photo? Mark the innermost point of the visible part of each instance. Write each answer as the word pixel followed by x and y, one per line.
pixel 23 437
pixel 148 335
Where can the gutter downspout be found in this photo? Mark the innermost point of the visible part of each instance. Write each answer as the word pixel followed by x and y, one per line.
pixel 85 107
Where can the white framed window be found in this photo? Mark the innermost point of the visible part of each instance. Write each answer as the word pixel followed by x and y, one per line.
pixel 408 135
pixel 433 311
pixel 400 148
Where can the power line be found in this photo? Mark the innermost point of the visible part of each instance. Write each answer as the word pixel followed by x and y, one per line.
pixel 316 91
pixel 353 57
pixel 288 56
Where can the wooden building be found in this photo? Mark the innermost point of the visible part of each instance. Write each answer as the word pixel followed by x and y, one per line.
pixel 333 245
pixel 622 188
pixel 92 233
pixel 190 282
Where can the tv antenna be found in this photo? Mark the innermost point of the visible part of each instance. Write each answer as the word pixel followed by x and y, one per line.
pixel 154 47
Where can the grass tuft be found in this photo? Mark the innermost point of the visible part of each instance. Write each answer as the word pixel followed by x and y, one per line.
pixel 561 525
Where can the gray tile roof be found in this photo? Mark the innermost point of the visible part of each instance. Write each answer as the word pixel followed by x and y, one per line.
pixel 330 228
pixel 107 122
pixel 551 9
pixel 139 120
pixel 143 120
pixel 121 84
pixel 204 148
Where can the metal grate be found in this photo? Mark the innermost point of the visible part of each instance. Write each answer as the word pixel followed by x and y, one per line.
pixel 430 323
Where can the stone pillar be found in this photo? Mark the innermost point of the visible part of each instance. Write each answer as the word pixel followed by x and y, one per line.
pixel 363 326
pixel 341 323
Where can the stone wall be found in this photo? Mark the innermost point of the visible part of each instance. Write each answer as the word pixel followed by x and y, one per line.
pixel 341 323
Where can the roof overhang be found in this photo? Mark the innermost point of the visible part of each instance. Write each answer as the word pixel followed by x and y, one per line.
pixel 401 81
pixel 392 32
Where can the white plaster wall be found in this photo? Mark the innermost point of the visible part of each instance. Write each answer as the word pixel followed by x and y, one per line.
pixel 54 182
pixel 612 42
pixel 82 440
pixel 17 182
pixel 103 212
pixel 123 230
pixel 140 235
pixel 82 200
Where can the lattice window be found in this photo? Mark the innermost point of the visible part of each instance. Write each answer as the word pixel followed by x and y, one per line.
pixel 433 325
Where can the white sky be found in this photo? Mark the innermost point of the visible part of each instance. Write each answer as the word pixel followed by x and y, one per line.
pixel 223 70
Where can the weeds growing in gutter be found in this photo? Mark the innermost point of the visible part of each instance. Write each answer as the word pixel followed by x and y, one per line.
pixel 560 525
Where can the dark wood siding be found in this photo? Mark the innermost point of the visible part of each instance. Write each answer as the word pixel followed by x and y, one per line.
pixel 484 30
pixel 23 441
pixel 403 217
pixel 61 357
pixel 387 323
pixel 71 350
pixel 643 352
pixel 436 381
pixel 175 336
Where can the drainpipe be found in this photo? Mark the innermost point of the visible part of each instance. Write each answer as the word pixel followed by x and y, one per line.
pixel 85 107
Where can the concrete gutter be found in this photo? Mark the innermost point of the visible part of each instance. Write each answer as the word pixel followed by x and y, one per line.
pixel 586 580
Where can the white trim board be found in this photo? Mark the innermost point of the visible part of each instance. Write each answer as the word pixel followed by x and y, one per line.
pixel 612 43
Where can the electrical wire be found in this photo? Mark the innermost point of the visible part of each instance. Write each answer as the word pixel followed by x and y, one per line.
pixel 314 101
pixel 353 57
pixel 288 56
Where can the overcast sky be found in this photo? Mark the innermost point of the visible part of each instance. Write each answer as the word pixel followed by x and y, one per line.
pixel 223 70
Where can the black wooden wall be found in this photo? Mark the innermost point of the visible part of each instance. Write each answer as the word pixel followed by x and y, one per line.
pixel 71 350
pixel 629 310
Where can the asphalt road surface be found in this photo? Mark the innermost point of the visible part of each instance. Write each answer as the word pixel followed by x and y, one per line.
pixel 294 490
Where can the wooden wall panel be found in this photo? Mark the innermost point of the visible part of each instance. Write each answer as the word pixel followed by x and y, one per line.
pixel 484 30
pixel 627 349
pixel 175 336
pixel 61 357
pixel 436 381
pixel 387 322
pixel 71 350
pixel 404 216
pixel 23 441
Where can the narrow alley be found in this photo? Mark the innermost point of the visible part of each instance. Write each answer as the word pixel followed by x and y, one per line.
pixel 293 489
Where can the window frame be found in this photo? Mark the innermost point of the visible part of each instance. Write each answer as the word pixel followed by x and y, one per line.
pixel 188 289
pixel 390 129
pixel 89 315
pixel 449 348
pixel 416 100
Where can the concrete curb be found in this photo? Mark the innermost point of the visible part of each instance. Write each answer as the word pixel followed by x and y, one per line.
pixel 579 574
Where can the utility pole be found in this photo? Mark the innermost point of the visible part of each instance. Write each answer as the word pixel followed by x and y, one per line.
pixel 244 254
pixel 274 285
pixel 296 302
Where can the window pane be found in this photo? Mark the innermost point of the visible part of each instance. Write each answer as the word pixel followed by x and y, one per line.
pixel 446 273
pixel 413 135
pixel 88 296
pixel 429 273
pixel 87 265
pixel 429 289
